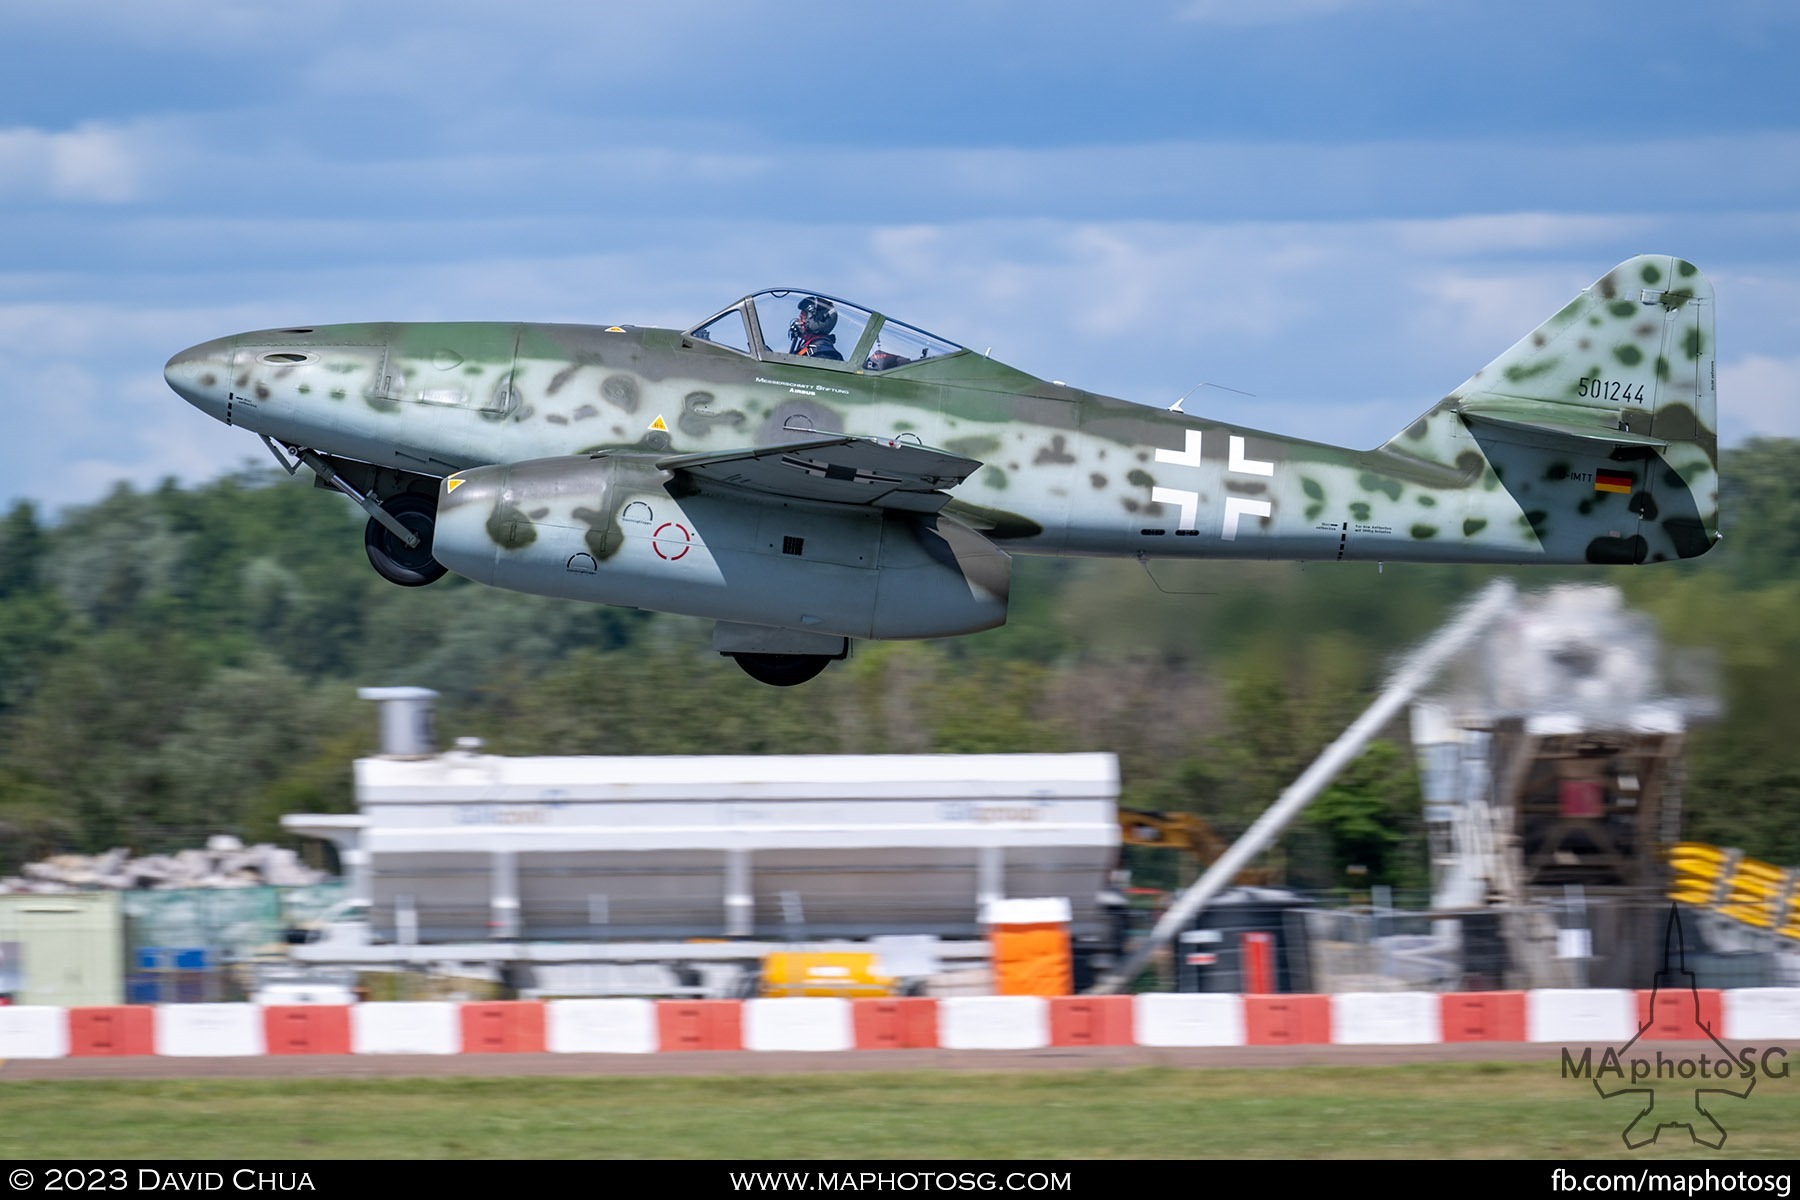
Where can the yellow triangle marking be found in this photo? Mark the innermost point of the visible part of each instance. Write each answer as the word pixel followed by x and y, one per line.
pixel 614 329
pixel 659 425
pixel 452 483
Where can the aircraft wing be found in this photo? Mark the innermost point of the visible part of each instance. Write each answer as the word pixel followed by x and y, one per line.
pixel 844 469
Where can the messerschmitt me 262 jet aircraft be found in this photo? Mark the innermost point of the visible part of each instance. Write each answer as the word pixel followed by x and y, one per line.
pixel 804 471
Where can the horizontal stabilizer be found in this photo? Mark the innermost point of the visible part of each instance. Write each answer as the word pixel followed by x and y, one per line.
pixel 1541 425
pixel 879 472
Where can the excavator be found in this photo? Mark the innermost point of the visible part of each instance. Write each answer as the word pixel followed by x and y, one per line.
pixel 1189 833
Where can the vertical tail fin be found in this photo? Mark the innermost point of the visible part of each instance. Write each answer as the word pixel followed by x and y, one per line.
pixel 1617 392
pixel 1632 353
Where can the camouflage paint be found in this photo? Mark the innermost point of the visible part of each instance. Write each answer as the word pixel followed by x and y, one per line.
pixel 1521 463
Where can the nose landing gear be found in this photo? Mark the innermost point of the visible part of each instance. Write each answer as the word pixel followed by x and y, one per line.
pixel 392 558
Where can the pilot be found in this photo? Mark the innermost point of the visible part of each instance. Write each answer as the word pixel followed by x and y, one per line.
pixel 810 335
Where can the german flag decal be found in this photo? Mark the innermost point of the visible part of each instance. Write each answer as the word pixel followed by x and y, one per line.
pixel 1612 481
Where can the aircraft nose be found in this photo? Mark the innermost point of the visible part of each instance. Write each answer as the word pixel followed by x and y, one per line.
pixel 201 375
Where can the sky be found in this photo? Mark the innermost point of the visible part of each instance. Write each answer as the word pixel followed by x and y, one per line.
pixel 1311 217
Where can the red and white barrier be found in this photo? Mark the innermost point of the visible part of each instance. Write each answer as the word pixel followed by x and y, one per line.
pixel 1387 1019
pixel 973 1023
pixel 1288 1020
pixel 1579 1015
pixel 1093 1021
pixel 33 1031
pixel 1761 1013
pixel 1483 1016
pixel 503 1027
pixel 798 1023
pixel 700 1024
pixel 1190 1019
pixel 406 1027
pixel 306 1028
pixel 900 1023
pixel 210 1030
pixel 622 1026
pixel 993 1022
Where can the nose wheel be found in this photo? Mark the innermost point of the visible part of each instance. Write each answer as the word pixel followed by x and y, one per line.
pixel 393 559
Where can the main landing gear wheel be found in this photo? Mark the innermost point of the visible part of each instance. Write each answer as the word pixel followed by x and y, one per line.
pixel 783 670
pixel 393 559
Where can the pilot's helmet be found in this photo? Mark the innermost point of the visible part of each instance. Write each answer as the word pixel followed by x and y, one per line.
pixel 817 315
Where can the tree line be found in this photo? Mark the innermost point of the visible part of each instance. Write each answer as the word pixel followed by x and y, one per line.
pixel 182 661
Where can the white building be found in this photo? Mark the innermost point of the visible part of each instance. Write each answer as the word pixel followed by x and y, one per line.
pixel 463 846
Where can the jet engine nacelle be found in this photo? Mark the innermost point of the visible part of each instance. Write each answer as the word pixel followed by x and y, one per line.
pixel 617 529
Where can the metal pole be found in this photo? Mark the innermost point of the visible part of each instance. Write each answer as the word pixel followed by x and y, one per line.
pixel 1413 674
pixel 740 903
pixel 503 893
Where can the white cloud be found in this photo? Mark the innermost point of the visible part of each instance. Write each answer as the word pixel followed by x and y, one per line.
pixel 1344 331
pixel 1759 396
pixel 283 160
pixel 92 331
pixel 1508 232
pixel 92 163
pixel 72 429
pixel 1466 310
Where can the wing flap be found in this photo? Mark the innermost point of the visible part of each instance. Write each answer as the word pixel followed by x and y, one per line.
pixel 846 469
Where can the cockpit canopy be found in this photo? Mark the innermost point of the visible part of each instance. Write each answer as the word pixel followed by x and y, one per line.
pixel 791 325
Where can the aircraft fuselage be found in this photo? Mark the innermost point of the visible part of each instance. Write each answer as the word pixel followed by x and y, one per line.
pixel 879 492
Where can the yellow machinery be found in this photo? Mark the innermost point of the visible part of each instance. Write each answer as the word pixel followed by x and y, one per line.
pixel 1189 833
pixel 1724 881
pixel 803 973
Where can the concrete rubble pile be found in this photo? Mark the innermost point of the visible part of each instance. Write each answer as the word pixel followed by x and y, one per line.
pixel 225 863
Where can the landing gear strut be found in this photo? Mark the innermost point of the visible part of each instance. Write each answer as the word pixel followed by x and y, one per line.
pixel 393 559
pixel 783 670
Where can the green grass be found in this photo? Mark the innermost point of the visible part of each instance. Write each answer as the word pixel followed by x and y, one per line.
pixel 1436 1111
